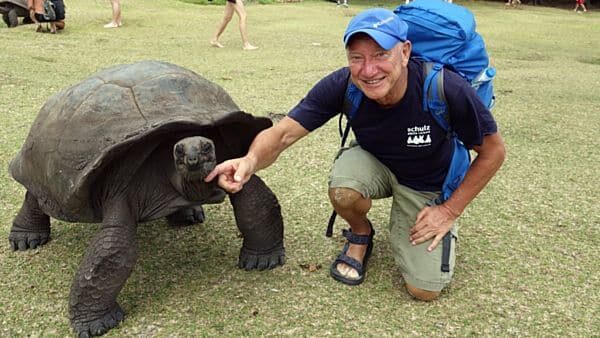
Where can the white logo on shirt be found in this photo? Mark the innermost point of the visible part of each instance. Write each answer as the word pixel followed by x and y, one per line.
pixel 418 136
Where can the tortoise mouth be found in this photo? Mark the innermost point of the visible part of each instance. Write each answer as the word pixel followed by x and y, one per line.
pixel 197 171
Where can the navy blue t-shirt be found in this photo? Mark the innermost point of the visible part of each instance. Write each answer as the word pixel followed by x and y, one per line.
pixel 403 137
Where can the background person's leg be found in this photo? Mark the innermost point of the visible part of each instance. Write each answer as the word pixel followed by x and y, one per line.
pixel 241 12
pixel 116 15
pixel 228 14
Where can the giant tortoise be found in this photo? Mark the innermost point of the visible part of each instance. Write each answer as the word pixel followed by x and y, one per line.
pixel 132 144
pixel 11 10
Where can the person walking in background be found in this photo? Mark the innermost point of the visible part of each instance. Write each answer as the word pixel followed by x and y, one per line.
pixel 38 15
pixel 116 15
pixel 580 3
pixel 343 3
pixel 231 6
pixel 512 3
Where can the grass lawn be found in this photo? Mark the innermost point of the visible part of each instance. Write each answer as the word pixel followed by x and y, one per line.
pixel 527 262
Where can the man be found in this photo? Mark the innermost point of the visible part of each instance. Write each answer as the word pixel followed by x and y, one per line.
pixel 385 160
pixel 37 14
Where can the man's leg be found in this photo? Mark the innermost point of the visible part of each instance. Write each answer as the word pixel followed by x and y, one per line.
pixel 355 179
pixel 353 208
pixel 424 272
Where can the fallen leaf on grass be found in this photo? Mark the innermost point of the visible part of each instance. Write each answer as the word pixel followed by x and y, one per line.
pixel 311 267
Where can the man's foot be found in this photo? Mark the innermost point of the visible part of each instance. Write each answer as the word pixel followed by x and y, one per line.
pixel 357 252
pixel 112 24
pixel 350 265
pixel 249 47
pixel 216 44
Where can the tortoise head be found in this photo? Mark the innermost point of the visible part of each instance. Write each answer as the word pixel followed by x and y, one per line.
pixel 194 157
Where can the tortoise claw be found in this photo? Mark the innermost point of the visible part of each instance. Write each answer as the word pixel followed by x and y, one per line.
pixel 253 260
pixel 27 240
pixel 101 325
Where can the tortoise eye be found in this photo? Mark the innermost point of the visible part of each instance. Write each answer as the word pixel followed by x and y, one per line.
pixel 179 151
pixel 206 148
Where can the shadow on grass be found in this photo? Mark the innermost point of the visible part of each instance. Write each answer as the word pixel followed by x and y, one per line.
pixel 591 61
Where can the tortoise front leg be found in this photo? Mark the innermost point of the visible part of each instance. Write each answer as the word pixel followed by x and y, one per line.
pixel 258 216
pixel 105 267
pixel 31 226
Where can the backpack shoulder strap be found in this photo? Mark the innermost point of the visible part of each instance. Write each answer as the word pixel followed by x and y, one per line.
pixel 434 99
pixel 352 99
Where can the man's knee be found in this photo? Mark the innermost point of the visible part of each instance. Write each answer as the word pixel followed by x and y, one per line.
pixel 421 294
pixel 344 198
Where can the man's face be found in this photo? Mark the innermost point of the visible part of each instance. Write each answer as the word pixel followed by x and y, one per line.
pixel 380 74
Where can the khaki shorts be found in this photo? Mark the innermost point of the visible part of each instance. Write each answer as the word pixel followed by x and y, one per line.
pixel 357 169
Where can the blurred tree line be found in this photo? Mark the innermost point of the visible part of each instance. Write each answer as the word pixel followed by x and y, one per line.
pixel 558 3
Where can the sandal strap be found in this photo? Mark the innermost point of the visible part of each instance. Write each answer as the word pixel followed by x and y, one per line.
pixel 356 265
pixel 358 239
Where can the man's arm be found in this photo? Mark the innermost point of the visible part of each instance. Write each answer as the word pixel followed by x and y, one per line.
pixel 264 150
pixel 490 155
pixel 434 222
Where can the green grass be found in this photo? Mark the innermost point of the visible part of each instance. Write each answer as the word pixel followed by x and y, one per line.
pixel 527 262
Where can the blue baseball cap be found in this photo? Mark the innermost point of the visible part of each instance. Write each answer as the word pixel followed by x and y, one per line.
pixel 381 24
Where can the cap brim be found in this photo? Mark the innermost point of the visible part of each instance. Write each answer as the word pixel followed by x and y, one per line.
pixel 384 40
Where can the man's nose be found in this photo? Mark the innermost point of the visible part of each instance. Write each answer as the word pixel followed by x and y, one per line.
pixel 369 68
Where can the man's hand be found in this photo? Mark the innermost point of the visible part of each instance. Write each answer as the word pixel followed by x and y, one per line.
pixel 233 174
pixel 432 222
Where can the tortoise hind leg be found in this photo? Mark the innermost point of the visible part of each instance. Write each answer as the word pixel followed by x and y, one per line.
pixel 195 214
pixel 186 216
pixel 258 216
pixel 31 226
pixel 104 269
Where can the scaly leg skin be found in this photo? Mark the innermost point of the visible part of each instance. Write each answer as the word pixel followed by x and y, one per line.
pixel 258 216
pixel 107 264
pixel 31 227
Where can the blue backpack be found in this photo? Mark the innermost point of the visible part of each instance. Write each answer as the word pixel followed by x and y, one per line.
pixel 444 33
pixel 443 36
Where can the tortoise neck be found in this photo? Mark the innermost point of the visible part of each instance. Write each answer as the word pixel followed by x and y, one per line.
pixel 195 190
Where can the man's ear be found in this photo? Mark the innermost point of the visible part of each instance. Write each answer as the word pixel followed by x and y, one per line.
pixel 406 49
